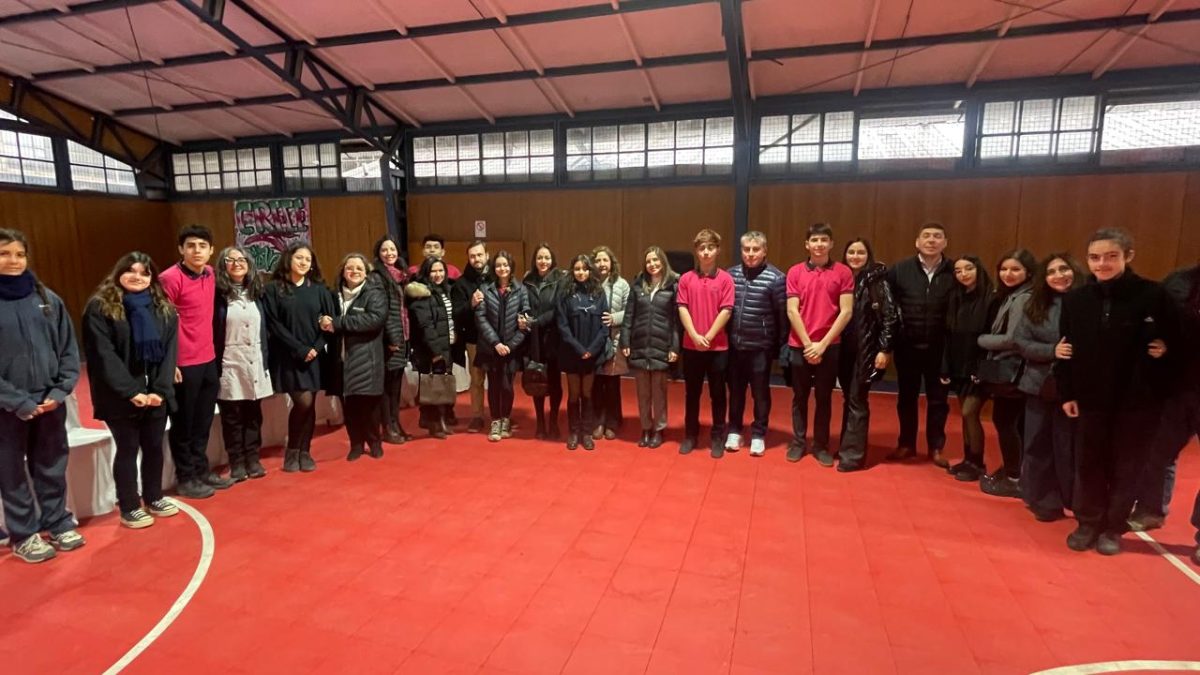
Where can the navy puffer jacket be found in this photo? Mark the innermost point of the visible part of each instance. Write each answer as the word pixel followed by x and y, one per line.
pixel 759 308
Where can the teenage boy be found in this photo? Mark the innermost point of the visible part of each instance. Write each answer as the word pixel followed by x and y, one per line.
pixel 191 286
pixel 820 300
pixel 434 246
pixel 757 328
pixel 921 285
pixel 467 293
pixel 1111 376
pixel 705 300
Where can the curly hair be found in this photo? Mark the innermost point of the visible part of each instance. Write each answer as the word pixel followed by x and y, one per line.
pixel 109 294
pixel 282 274
pixel 252 284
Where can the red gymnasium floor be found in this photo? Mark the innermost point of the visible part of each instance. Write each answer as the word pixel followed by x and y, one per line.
pixel 520 557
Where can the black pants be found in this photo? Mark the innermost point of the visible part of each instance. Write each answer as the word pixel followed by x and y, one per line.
pixel 40 446
pixel 915 365
pixel 1048 461
pixel 500 374
pixel 195 399
pixel 606 396
pixel 389 403
pixel 302 419
pixel 241 428
pixel 856 408
pixel 750 369
pixel 143 432
pixel 1111 448
pixel 554 392
pixel 1179 423
pixel 363 424
pixel 697 366
pixel 805 378
pixel 1008 415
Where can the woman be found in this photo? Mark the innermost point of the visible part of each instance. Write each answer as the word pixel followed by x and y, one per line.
pixel 391 271
pixel 39 370
pixel 606 391
pixel 544 283
pixel 581 326
pixel 966 320
pixel 434 342
pixel 1048 462
pixel 295 300
pixel 1015 271
pixel 650 340
pixel 129 341
pixel 358 350
pixel 866 349
pixel 240 335
pixel 500 338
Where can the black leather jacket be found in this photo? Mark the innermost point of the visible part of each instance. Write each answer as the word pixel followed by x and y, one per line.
pixel 875 321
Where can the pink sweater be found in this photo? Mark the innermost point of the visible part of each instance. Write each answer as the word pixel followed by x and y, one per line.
pixel 193 295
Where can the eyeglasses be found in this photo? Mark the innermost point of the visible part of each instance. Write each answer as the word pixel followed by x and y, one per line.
pixel 235 261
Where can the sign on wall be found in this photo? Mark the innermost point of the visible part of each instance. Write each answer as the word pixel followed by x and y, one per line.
pixel 264 228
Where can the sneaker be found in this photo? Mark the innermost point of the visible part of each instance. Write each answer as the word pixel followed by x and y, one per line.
pixel 1082 539
pixel 238 473
pixel 291 460
pixel 162 508
pixel 34 550
pixel 757 447
pixel 474 426
pixel 307 463
pixel 506 427
pixel 1109 543
pixel 686 446
pixel 824 458
pixel 194 489
pixel 214 480
pixel 733 441
pixel 495 434
pixel 1144 522
pixel 795 452
pixel 716 448
pixel 67 541
pixel 136 519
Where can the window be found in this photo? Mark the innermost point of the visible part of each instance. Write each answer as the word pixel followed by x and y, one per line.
pixel 1151 132
pixel 1050 129
pixel 360 170
pixel 311 167
pixel 931 141
pixel 493 157
pixel 240 170
pixel 806 142
pixel 695 147
pixel 91 170
pixel 27 159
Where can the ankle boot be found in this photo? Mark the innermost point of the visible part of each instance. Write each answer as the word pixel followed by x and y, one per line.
pixel 394 435
pixel 307 463
pixel 237 467
pixel 254 467
pixel 375 449
pixel 291 460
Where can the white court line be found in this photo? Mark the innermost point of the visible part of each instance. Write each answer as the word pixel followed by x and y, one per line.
pixel 1122 667
pixel 1171 558
pixel 207 546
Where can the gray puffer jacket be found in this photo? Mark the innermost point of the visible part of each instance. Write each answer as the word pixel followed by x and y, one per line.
pixel 1036 342
pixel 759 309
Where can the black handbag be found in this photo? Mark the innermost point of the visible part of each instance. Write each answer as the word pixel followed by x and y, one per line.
pixel 534 379
pixel 436 389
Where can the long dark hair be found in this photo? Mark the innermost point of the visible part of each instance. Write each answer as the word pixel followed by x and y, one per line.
pixel 866 244
pixel 401 263
pixel 7 237
pixel 533 259
pixel 252 284
pixel 512 268
pixel 282 274
pixel 669 275
pixel 968 310
pixel 110 292
pixel 1023 256
pixel 592 285
pixel 426 267
pixel 1037 310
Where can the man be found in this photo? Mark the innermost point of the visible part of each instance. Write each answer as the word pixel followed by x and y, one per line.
pixel 1111 377
pixel 434 246
pixel 755 335
pixel 705 299
pixel 191 286
pixel 820 302
pixel 921 285
pixel 467 294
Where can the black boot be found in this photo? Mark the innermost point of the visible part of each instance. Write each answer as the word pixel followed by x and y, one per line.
pixel 291 460
pixel 375 449
pixel 394 435
pixel 645 439
pixel 237 467
pixel 573 424
pixel 307 463
pixel 254 467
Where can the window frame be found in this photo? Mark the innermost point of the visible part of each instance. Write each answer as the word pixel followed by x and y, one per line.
pixel 104 169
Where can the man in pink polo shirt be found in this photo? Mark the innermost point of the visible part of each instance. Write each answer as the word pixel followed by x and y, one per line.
pixel 705 299
pixel 191 286
pixel 820 300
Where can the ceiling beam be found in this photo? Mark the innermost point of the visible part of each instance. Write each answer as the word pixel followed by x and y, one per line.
pixel 1131 38
pixel 62 10
pixel 991 48
pixel 862 59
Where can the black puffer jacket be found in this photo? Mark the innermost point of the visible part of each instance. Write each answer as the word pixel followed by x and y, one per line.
pixel 544 294
pixel 581 326
pixel 651 327
pixel 430 326
pixel 496 321
pixel 115 374
pixel 397 318
pixel 1184 288
pixel 358 342
pixel 873 326
pixel 923 303
pixel 759 320
pixel 462 290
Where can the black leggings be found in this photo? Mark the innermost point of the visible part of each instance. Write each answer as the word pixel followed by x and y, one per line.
pixel 1008 417
pixel 363 421
pixel 142 432
pixel 554 391
pixel 302 419
pixel 389 403
pixel 500 388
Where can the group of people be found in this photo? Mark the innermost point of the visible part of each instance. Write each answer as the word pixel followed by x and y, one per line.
pixel 1093 380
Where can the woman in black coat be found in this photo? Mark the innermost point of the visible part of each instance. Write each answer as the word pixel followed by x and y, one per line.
pixel 358 354
pixel 544 283
pixel 967 319
pixel 581 350
pixel 295 300
pixel 392 273
pixel 129 340
pixel 500 340
pixel 434 343
pixel 650 340
pixel 866 349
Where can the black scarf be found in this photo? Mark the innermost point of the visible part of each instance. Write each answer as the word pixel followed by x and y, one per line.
pixel 17 287
pixel 147 341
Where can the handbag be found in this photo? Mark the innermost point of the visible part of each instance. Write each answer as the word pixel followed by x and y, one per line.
pixel 535 381
pixel 436 389
pixel 1000 376
pixel 615 362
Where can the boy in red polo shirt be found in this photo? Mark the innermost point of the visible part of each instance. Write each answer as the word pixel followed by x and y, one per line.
pixel 820 299
pixel 705 299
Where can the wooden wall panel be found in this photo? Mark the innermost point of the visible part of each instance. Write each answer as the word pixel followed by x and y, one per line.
pixel 1188 253
pixel 109 228
pixel 784 211
pixel 48 221
pixel 572 222
pixel 453 215
pixel 671 217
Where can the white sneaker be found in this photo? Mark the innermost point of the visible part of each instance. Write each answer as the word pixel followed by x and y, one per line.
pixel 733 442
pixel 757 447
pixel 33 549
